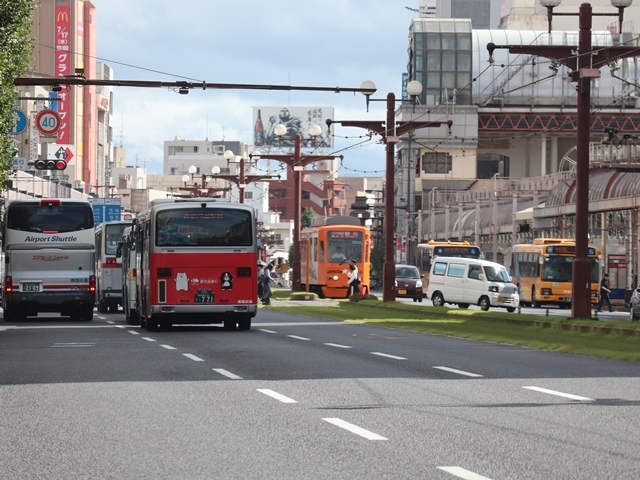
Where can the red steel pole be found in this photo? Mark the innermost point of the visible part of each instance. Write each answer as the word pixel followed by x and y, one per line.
pixel 297 213
pixel 389 269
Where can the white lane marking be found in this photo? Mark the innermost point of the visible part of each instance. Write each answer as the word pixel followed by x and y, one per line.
pixel 266 331
pixel 459 372
pixel 337 345
pixel 354 429
pixel 387 355
pixel 193 357
pixel 276 395
pixel 73 345
pixel 463 473
pixel 561 394
pixel 227 373
pixel 120 326
pixel 168 347
pixel 111 322
pixel 102 318
pixel 297 337
pixel 133 332
pixel 148 339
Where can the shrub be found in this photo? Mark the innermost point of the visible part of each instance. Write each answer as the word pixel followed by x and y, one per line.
pixel 359 297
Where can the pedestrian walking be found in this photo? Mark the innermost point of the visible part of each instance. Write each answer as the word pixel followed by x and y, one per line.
pixel 604 293
pixel 353 281
pixel 267 280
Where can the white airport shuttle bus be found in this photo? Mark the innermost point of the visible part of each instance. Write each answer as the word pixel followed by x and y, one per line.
pixel 109 266
pixel 49 258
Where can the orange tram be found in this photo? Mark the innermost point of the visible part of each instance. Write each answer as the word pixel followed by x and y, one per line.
pixel 327 248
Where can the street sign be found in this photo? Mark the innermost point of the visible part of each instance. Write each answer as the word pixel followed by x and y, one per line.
pixel 106 210
pixel 20 121
pixel 48 122
pixel 20 163
pixel 59 151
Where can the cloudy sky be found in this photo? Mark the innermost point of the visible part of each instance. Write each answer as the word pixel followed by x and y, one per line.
pixel 276 42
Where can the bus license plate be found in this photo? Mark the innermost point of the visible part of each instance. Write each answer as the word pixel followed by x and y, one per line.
pixel 204 296
pixel 30 287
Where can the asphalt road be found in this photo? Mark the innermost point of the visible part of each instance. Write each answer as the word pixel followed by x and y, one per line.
pixel 303 398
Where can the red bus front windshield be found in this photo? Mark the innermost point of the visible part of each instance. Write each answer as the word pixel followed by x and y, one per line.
pixel 204 227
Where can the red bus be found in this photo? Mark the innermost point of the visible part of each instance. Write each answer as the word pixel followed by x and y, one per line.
pixel 196 263
pixel 325 252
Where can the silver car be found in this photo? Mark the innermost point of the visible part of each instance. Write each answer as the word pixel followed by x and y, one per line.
pixel 634 305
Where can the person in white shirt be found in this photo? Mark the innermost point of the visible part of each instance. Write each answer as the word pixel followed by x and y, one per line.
pixel 353 281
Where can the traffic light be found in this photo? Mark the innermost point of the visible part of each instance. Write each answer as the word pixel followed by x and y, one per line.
pixel 50 164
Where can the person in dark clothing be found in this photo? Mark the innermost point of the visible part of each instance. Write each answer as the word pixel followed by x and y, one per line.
pixel 604 293
pixel 267 280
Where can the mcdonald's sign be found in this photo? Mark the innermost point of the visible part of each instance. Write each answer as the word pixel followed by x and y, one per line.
pixel 63 63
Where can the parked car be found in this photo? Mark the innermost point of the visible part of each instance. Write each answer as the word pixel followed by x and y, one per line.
pixel 408 282
pixel 634 305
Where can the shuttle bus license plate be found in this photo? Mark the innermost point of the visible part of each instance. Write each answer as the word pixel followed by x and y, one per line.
pixel 204 296
pixel 30 287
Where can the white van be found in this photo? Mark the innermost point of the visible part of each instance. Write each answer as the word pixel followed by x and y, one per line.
pixel 470 281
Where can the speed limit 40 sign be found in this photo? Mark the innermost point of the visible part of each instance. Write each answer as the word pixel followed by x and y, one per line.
pixel 48 122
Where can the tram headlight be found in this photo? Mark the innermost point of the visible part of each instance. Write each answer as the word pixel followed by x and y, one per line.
pixel 335 277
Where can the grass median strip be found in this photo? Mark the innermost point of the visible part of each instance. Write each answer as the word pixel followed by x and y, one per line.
pixel 613 339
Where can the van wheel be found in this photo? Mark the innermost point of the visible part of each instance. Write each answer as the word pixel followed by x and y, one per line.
pixel 485 304
pixel 437 299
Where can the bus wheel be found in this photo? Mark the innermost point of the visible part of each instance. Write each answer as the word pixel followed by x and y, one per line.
pixel 132 318
pixel 244 324
pixel 9 314
pixel 437 299
pixel 86 314
pixel 152 324
pixel 102 307
pixel 534 302
pixel 229 325
pixel 485 304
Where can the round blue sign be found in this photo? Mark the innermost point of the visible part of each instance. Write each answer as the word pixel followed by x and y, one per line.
pixel 20 121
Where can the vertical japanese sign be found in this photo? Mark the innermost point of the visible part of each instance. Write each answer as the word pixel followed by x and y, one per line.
pixel 63 67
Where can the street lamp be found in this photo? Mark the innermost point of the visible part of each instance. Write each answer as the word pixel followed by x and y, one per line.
pixel 585 66
pixel 296 164
pixel 242 179
pixel 391 132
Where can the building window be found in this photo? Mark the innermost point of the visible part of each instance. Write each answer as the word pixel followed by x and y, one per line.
pixel 305 195
pixel 436 162
pixel 195 149
pixel 174 149
pixel 491 163
pixel 248 195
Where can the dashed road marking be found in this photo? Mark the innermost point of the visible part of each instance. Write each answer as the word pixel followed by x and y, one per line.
pixel 148 339
pixel 560 394
pixel 267 331
pixel 168 347
pixel 297 337
pixel 133 332
pixel 388 356
pixel 276 395
pixel 459 372
pixel 337 345
pixel 193 357
pixel 463 473
pixel 227 374
pixel 354 429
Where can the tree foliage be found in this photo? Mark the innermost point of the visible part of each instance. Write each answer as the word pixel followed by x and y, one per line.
pixel 377 259
pixel 15 52
pixel 307 218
